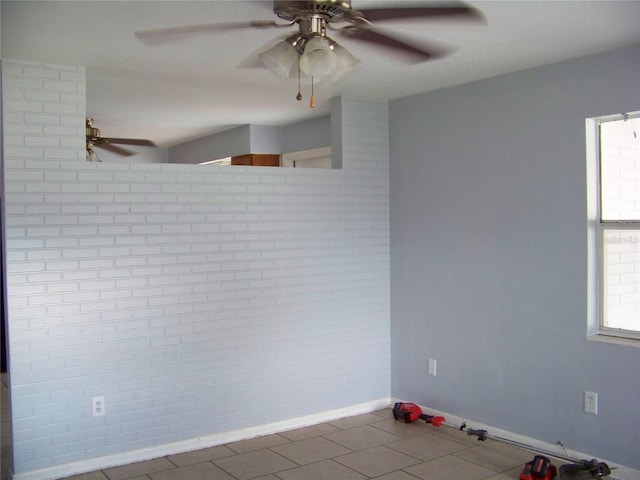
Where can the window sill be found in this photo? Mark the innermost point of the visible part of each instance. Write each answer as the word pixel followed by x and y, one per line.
pixel 629 342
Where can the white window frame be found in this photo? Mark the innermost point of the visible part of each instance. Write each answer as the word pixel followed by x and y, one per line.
pixel 596 228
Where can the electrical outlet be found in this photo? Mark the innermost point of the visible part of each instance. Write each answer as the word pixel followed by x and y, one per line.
pixel 591 402
pixel 97 406
pixel 432 367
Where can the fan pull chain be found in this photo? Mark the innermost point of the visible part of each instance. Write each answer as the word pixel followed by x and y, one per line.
pixel 299 96
pixel 312 102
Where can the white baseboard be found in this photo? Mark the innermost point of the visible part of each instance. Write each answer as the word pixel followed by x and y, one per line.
pixel 101 463
pixel 620 473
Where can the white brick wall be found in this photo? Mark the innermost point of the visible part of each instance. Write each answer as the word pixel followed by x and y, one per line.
pixel 620 157
pixel 197 300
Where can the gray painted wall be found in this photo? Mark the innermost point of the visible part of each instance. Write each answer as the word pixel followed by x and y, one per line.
pixel 235 141
pixel 245 139
pixel 266 139
pixel 309 134
pixel 489 255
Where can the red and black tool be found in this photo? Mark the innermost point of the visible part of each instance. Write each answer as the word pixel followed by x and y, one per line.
pixel 539 468
pixel 410 412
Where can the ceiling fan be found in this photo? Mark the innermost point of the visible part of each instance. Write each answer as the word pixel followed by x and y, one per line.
pixel 311 52
pixel 93 139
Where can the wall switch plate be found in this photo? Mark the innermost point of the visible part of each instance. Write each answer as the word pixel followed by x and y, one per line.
pixel 97 406
pixel 432 367
pixel 591 402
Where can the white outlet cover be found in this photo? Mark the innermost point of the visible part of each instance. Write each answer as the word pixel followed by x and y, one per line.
pixel 97 406
pixel 432 367
pixel 591 402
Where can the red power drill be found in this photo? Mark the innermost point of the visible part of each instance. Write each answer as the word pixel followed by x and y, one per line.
pixel 540 468
pixel 410 412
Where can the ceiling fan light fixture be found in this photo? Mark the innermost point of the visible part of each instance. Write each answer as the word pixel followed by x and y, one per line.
pixel 346 61
pixel 318 58
pixel 280 59
pixel 91 155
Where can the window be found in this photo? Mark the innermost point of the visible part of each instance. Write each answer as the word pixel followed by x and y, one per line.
pixel 615 225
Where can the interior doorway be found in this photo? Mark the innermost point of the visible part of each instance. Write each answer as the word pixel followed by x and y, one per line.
pixel 314 158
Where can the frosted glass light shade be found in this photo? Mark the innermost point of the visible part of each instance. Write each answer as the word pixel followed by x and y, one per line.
pixel 346 62
pixel 92 156
pixel 318 59
pixel 280 59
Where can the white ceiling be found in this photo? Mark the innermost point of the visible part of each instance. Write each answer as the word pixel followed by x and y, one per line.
pixel 191 87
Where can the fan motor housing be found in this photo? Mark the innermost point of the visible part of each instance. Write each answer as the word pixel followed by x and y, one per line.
pixel 90 131
pixel 296 10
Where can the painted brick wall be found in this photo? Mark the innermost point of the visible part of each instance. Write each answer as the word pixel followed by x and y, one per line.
pixel 620 155
pixel 197 300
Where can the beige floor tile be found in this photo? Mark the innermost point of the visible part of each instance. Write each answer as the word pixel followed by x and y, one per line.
pixel 427 446
pixel 397 475
pixel 254 464
pixel 202 455
pixel 199 471
pixel 377 461
pixel 458 435
pixel 311 450
pixel 384 412
pixel 325 470
pixel 449 468
pixel 361 438
pixel 139 468
pixel 508 475
pixel 257 443
pixel 496 456
pixel 309 432
pixel 404 430
pixel 355 421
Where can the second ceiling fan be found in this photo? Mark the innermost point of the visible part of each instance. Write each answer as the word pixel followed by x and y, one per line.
pixel 93 139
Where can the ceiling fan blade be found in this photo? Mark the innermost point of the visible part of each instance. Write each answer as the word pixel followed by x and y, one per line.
pixel 115 149
pixel 447 9
pixel 416 53
pixel 127 141
pixel 160 35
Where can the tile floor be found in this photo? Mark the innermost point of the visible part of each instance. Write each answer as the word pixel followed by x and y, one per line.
pixel 368 446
